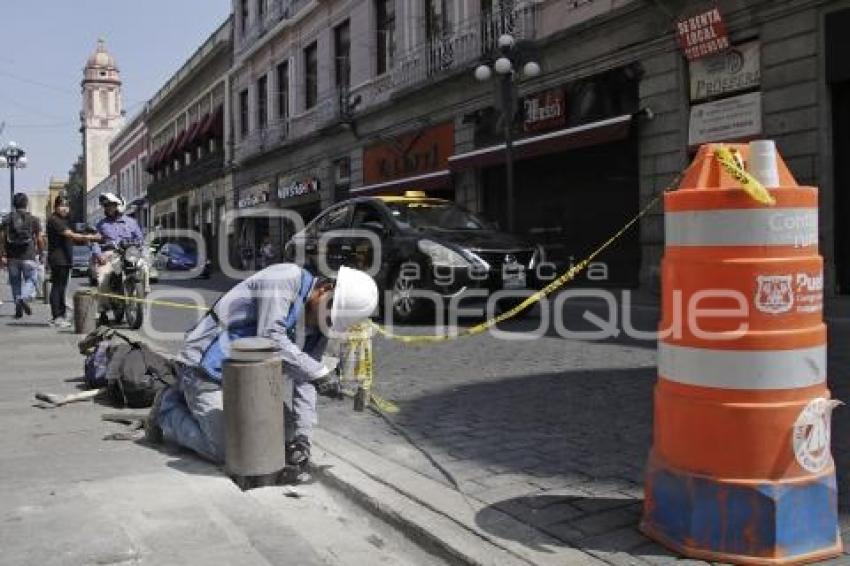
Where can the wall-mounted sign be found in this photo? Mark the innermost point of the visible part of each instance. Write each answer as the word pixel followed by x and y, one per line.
pixel 737 69
pixel 409 155
pixel 289 189
pixel 544 111
pixel 702 34
pixel 254 195
pixel 736 118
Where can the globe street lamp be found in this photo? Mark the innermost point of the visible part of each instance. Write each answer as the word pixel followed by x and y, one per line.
pixel 12 157
pixel 505 68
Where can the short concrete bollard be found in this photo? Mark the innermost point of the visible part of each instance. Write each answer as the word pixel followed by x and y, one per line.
pixel 253 413
pixel 85 312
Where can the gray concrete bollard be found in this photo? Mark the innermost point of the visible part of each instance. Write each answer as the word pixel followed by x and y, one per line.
pixel 85 312
pixel 253 413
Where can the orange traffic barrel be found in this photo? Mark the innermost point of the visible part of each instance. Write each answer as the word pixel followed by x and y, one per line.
pixel 740 469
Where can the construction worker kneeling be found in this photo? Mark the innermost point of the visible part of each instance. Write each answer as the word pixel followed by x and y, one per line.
pixel 286 304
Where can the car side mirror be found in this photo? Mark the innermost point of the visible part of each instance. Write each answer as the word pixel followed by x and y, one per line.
pixel 376 228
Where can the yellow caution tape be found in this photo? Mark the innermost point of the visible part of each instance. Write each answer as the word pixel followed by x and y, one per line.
pixel 170 304
pixel 565 278
pixel 733 164
pixel 357 356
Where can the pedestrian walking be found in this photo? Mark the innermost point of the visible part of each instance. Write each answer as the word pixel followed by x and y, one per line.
pixel 60 256
pixel 269 304
pixel 21 241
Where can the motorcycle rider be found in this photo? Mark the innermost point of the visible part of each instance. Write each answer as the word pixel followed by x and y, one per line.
pixel 115 229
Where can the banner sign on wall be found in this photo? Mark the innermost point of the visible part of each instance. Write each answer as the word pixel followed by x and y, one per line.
pixel 702 34
pixel 736 118
pixel 737 69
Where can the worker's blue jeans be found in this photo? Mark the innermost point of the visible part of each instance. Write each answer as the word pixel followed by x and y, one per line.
pixel 192 413
pixel 22 278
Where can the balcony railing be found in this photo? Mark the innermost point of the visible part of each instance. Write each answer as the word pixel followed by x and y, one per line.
pixel 465 45
pixel 199 172
pixel 331 109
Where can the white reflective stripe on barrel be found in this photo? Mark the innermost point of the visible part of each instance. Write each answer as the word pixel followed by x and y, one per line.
pixel 742 369
pixel 742 227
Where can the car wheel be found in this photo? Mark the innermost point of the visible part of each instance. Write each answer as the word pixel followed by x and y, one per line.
pixel 406 307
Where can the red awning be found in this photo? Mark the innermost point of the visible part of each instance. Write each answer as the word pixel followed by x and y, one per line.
pixel 437 180
pixel 213 127
pixel 595 133
pixel 191 141
pixel 168 154
pixel 153 161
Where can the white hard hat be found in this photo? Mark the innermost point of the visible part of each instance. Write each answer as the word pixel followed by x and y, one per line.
pixel 112 198
pixel 355 298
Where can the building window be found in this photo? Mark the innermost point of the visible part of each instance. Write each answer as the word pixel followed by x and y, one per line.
pixel 283 91
pixel 243 113
pixel 436 19
pixel 243 16
pixel 342 55
pixel 261 10
pixel 262 102
pixel 385 12
pixel 311 76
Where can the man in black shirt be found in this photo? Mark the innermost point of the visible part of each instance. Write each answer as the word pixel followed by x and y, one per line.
pixel 60 256
pixel 21 239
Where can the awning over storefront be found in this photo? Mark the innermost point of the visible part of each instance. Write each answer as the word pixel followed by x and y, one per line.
pixel 213 126
pixel 428 181
pixel 604 131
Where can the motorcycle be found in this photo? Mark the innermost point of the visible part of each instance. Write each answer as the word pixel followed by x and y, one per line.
pixel 129 280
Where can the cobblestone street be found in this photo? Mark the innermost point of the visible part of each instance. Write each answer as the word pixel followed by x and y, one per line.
pixel 554 432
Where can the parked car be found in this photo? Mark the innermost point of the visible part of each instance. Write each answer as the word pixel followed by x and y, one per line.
pixel 178 256
pixel 80 261
pixel 427 244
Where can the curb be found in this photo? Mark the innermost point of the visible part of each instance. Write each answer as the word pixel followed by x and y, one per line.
pixel 438 518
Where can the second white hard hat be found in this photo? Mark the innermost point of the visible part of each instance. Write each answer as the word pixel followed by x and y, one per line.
pixel 355 298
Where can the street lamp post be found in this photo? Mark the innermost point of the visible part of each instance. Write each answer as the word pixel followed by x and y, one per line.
pixel 504 66
pixel 12 157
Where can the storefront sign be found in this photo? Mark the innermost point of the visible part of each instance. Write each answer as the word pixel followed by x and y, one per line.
pixel 544 111
pixel 409 155
pixel 729 119
pixel 254 195
pixel 737 69
pixel 289 189
pixel 702 34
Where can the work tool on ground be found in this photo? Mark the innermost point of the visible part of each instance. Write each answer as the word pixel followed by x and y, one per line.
pixel 55 400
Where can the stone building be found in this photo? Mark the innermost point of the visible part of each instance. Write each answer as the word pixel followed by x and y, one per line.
pixel 342 98
pixel 128 152
pixel 185 119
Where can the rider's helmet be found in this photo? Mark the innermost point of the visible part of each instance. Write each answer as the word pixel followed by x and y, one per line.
pixel 112 198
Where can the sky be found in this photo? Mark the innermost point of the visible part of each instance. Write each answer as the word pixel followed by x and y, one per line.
pixel 45 46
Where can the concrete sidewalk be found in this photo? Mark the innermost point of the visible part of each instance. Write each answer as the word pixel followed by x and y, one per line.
pixel 70 497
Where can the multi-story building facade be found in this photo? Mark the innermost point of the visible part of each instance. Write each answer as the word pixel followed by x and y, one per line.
pixel 189 187
pixel 355 97
pixel 128 153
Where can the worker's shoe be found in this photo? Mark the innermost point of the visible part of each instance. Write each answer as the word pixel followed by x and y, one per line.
pixel 298 451
pixel 153 432
pixel 328 387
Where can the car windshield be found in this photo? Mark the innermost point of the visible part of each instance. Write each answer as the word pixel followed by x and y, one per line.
pixel 440 215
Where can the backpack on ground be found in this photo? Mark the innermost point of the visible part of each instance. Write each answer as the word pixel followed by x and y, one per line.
pixel 129 369
pixel 19 229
